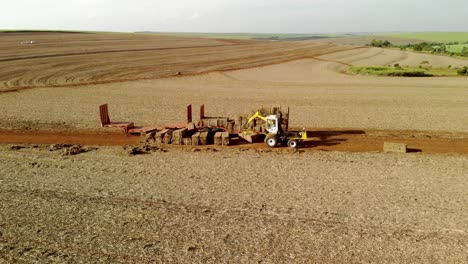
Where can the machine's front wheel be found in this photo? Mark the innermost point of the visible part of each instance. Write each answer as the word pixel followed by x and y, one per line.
pixel 292 143
pixel 271 141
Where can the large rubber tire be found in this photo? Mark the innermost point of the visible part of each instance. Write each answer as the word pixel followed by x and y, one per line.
pixel 271 141
pixel 292 143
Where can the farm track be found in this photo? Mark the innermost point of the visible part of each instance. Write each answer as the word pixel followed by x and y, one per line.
pixel 324 140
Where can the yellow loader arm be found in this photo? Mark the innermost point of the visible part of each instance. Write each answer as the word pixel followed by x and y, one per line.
pixel 256 115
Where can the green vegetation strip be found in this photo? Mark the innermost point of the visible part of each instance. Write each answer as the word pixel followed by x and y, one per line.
pixel 456 48
pixel 449 49
pixel 440 37
pixel 403 72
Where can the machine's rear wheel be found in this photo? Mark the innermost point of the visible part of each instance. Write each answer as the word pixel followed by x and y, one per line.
pixel 292 143
pixel 271 141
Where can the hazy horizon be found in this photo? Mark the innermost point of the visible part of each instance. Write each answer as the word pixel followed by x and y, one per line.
pixel 240 16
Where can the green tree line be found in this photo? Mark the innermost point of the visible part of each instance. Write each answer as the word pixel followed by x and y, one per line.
pixel 432 47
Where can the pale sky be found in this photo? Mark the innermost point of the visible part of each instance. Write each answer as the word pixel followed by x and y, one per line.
pixel 255 16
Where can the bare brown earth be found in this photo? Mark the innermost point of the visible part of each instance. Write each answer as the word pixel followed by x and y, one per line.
pixel 318 94
pixel 338 201
pixel 323 140
pixel 232 206
pixel 378 56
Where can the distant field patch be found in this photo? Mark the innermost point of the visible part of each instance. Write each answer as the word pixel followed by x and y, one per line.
pixel 266 36
pixel 456 48
pixel 401 72
pixel 439 37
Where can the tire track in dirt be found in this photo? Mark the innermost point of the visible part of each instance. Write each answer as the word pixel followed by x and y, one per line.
pixel 130 202
pixel 108 51
pixel 403 56
pixel 352 58
pixel 165 215
pixel 316 57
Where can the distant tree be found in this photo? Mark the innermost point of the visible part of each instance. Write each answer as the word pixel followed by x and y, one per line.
pixel 418 47
pixel 428 48
pixel 376 43
pixel 442 48
pixel 464 52
pixel 386 43
pixel 463 71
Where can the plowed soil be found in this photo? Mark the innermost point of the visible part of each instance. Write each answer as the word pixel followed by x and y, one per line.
pixel 77 59
pixel 229 205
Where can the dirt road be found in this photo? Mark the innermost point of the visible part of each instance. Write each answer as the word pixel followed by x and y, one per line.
pixel 327 140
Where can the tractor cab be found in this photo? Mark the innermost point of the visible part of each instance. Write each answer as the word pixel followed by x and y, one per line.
pixel 272 125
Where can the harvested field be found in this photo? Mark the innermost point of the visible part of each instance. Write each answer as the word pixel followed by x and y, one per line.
pixel 319 95
pixel 96 59
pixel 340 200
pixel 379 56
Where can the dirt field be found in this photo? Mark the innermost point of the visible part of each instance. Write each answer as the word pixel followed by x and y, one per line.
pixel 378 56
pixel 77 59
pixel 228 206
pixel 341 200
pixel 319 95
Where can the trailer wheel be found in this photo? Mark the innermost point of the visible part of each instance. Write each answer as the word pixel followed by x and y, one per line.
pixel 292 143
pixel 271 141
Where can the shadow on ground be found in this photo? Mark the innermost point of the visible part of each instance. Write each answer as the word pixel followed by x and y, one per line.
pixel 413 150
pixel 316 138
pixel 328 138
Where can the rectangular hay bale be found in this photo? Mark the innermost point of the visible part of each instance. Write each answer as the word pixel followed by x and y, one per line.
pixel 187 141
pixel 222 122
pixel 204 138
pixel 167 137
pixel 218 138
pixel 225 138
pixel 395 147
pixel 178 135
pixel 196 139
pixel 159 136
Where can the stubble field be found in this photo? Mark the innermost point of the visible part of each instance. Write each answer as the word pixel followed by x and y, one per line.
pixel 228 204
